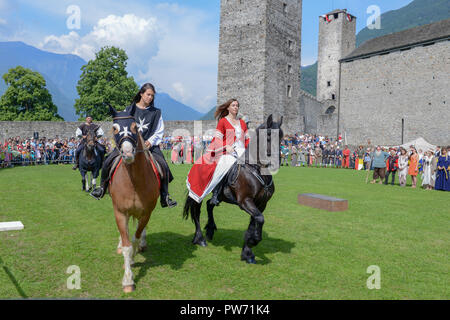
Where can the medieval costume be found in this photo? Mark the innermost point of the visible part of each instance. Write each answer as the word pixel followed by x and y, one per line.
pixel 151 127
pixel 402 169
pixel 391 168
pixel 210 169
pixel 427 173
pixel 346 158
pixel 443 173
pixel 175 154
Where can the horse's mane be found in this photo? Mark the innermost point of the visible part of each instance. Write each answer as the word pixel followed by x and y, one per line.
pixel 275 125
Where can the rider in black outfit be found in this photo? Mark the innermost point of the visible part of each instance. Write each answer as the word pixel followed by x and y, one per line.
pixel 151 126
pixel 82 132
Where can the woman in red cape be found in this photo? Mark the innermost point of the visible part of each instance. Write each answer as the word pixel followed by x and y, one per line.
pixel 229 143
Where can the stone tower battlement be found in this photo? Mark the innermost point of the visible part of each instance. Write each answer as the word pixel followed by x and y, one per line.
pixel 337 39
pixel 259 58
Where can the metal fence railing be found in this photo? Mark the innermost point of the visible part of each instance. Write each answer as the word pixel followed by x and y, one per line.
pixel 9 160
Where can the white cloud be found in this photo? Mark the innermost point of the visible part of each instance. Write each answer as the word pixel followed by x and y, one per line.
pixel 175 48
pixel 128 32
pixel 181 91
pixel 186 64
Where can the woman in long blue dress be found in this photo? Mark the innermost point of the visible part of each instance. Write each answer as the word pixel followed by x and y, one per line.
pixel 443 171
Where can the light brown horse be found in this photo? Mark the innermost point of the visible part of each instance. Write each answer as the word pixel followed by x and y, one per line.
pixel 134 190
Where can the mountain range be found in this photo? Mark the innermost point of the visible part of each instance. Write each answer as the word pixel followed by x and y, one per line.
pixel 62 72
pixel 416 13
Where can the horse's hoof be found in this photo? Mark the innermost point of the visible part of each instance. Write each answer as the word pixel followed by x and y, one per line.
pixel 250 260
pixel 201 243
pixel 119 250
pixel 129 289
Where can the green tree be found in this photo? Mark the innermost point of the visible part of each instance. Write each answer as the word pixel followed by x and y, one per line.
pixel 27 98
pixel 104 80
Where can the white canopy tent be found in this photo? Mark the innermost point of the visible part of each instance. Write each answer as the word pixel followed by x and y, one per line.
pixel 420 144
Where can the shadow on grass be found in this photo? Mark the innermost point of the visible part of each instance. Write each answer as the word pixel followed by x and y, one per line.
pixel 172 249
pixel 165 248
pixel 229 239
pixel 13 279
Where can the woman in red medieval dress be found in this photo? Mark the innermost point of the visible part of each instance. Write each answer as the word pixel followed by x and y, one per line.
pixel 229 143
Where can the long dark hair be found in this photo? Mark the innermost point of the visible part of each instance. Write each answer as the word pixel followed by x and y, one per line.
pixel 222 110
pixel 144 88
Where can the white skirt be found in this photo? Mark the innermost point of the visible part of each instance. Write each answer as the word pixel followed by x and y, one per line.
pixel 223 166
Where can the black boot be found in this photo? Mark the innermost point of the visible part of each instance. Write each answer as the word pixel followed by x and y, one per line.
pixel 215 194
pixel 167 202
pixel 99 192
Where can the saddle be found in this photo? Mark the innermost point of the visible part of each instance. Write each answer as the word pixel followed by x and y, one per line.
pixel 155 165
pixel 232 175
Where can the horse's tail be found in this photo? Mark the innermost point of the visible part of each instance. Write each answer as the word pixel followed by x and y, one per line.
pixel 189 206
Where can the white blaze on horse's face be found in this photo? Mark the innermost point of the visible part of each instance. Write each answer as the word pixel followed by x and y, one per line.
pixel 127 152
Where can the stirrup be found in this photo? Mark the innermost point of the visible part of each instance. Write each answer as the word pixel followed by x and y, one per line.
pixel 97 197
pixel 167 202
pixel 214 200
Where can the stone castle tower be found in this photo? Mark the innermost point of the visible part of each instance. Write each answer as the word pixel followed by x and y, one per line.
pixel 337 39
pixel 259 58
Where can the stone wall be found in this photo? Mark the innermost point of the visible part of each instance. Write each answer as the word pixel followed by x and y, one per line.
pixel 327 125
pixel 259 57
pixel 283 62
pixel 25 129
pixel 242 56
pixel 337 39
pixel 378 92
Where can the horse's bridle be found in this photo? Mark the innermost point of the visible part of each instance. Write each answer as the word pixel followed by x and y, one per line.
pixel 126 137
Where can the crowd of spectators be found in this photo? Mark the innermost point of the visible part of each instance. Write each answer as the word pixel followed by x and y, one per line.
pixel 321 151
pixel 18 151
pixel 296 150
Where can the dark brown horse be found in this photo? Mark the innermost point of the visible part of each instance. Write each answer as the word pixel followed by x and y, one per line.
pixel 251 188
pixel 134 190
pixel 91 160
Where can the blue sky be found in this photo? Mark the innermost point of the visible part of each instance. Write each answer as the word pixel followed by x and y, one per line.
pixel 172 43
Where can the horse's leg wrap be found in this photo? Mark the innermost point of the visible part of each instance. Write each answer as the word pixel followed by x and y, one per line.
pixel 128 275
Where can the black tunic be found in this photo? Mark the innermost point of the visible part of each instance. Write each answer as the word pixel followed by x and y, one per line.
pixel 86 127
pixel 146 120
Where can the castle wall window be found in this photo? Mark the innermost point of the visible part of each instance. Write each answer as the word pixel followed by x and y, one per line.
pixel 333 97
pixel 330 110
pixel 289 68
pixel 289 91
pixel 284 8
pixel 290 44
pixel 328 83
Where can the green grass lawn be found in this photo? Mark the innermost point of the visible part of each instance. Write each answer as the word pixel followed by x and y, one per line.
pixel 305 253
